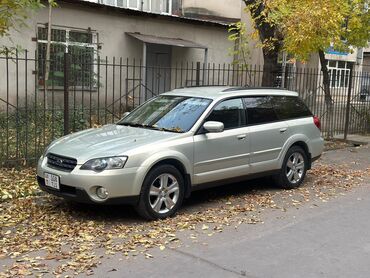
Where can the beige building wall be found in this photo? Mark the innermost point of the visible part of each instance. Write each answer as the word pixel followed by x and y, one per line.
pixel 366 66
pixel 255 55
pixel 232 11
pixel 111 27
pixel 225 8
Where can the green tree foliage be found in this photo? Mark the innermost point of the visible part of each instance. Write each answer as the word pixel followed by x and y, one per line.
pixel 305 27
pixel 13 13
pixel 310 26
pixel 238 35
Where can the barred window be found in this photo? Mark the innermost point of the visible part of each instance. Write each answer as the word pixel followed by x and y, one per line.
pixel 339 73
pixel 81 44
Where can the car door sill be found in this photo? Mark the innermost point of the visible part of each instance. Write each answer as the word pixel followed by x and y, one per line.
pixel 216 183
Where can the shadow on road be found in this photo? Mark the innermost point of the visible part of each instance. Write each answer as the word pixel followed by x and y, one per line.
pixel 199 200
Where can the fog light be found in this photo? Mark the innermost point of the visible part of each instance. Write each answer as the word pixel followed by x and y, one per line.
pixel 102 193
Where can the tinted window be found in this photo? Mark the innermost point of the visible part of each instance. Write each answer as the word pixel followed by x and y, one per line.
pixel 259 110
pixel 172 113
pixel 229 112
pixel 290 107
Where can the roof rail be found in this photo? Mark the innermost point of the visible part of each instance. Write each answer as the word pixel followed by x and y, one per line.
pixel 232 89
pixel 195 86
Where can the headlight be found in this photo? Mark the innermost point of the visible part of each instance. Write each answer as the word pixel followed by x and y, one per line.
pixel 105 163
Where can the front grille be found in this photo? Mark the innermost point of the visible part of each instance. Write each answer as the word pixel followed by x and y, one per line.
pixel 61 162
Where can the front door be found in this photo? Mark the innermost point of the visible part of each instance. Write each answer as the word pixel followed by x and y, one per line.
pixel 158 73
pixel 225 154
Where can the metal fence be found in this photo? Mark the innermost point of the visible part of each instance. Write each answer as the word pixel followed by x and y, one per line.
pixel 91 91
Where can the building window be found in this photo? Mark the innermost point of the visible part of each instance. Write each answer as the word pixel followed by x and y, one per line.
pixel 81 44
pixel 154 6
pixel 158 6
pixel 132 4
pixel 339 73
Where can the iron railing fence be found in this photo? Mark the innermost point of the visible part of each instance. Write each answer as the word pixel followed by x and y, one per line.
pixel 88 92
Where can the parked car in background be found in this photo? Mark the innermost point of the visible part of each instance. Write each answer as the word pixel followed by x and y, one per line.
pixel 181 141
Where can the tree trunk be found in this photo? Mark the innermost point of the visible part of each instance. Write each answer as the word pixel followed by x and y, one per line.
pixel 268 33
pixel 328 97
pixel 270 68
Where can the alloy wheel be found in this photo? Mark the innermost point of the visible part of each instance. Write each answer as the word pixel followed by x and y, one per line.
pixel 295 167
pixel 164 193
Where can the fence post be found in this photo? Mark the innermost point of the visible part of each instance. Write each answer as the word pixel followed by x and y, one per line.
pixel 348 107
pixel 66 93
pixel 197 75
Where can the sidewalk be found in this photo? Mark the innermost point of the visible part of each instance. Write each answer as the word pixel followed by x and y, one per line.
pixel 355 138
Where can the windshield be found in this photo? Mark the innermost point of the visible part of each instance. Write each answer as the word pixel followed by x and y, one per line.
pixel 169 113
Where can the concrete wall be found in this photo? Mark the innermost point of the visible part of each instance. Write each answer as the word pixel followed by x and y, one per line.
pixel 366 62
pixel 111 27
pixel 255 55
pixel 225 8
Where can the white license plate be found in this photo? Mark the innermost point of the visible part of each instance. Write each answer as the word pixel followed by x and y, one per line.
pixel 52 181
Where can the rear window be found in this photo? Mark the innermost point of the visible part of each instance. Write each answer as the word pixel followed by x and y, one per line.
pixel 287 107
pixel 260 110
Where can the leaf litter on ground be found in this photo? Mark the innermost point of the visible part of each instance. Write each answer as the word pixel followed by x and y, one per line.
pixel 42 234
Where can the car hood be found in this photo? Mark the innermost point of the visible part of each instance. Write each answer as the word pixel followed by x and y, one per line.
pixel 109 140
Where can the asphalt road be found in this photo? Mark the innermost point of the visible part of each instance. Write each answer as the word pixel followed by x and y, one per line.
pixel 327 240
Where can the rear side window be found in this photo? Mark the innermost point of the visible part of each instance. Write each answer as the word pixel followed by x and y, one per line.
pixel 260 110
pixel 287 107
pixel 229 112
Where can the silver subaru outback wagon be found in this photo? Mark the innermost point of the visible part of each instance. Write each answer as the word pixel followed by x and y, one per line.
pixel 175 143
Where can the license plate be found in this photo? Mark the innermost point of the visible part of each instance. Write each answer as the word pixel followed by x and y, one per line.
pixel 52 181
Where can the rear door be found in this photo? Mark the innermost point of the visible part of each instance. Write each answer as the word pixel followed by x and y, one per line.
pixel 267 133
pixel 225 154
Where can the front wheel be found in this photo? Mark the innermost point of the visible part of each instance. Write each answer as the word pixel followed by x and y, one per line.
pixel 162 193
pixel 293 170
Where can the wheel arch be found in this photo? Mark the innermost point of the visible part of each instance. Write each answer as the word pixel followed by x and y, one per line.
pixel 179 165
pixel 300 141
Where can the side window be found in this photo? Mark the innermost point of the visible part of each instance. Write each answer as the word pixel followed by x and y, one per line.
pixel 260 110
pixel 290 107
pixel 230 113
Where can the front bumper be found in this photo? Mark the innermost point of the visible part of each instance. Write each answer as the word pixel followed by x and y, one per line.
pixel 123 185
pixel 80 195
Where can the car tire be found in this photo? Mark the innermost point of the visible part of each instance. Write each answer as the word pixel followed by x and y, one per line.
pixel 293 170
pixel 162 193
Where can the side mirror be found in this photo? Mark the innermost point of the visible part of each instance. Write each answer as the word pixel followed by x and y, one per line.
pixel 125 114
pixel 212 126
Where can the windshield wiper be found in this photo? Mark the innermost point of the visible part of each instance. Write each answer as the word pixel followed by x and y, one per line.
pixel 132 124
pixel 150 127
pixel 167 129
pixel 137 125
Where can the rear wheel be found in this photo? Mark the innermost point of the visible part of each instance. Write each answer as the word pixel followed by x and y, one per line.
pixel 162 193
pixel 294 168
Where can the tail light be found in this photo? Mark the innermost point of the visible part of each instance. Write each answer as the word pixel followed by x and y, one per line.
pixel 317 122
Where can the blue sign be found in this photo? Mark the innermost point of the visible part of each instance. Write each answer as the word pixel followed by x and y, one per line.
pixel 331 50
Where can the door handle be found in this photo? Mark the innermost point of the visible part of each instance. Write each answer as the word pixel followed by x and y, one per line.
pixel 241 136
pixel 282 130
